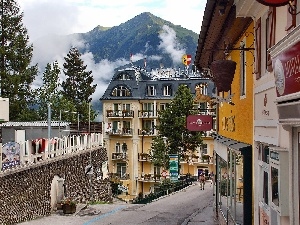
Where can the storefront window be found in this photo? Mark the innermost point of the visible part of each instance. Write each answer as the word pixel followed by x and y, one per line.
pixel 231 186
pixel 265 188
pixel 265 154
pixel 274 177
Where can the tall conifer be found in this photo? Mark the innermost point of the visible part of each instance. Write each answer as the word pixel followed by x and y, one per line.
pixel 78 86
pixel 16 74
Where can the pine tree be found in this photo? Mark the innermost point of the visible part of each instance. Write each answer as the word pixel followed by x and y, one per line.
pixel 78 86
pixel 16 74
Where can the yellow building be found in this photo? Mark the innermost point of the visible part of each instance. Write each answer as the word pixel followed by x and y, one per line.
pixel 226 50
pixel 130 114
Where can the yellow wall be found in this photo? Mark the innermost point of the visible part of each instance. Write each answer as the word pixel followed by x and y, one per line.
pixel 239 117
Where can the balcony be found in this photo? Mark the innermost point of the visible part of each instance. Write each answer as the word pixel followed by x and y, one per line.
pixel 210 112
pixel 147 114
pixel 145 157
pixel 121 132
pixel 150 177
pixel 116 176
pixel 120 113
pixel 119 156
pixel 147 131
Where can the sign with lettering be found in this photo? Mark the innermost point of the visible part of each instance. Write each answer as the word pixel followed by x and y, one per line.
pixel 173 167
pixel 287 71
pixel 199 122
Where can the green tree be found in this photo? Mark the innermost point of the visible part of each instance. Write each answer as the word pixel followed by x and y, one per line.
pixel 159 152
pixel 78 86
pixel 48 93
pixel 172 124
pixel 16 74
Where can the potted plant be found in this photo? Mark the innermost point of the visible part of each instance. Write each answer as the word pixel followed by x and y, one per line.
pixel 68 206
pixel 205 157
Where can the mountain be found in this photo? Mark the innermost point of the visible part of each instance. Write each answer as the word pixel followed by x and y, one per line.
pixel 139 35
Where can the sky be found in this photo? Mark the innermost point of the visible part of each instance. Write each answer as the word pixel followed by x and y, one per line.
pixel 45 19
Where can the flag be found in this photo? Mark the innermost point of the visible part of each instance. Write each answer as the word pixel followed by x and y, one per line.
pixel 145 63
pixel 186 59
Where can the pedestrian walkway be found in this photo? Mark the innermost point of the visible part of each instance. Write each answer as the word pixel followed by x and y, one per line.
pixel 95 214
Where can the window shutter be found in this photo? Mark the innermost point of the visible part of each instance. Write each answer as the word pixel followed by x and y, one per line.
pixel 258 49
pixel 291 19
pixel 271 35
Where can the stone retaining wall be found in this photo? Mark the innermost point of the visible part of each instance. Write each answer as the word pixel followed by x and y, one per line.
pixel 25 192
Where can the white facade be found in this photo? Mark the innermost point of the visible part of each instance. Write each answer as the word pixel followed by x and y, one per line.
pixel 4 112
pixel 276 115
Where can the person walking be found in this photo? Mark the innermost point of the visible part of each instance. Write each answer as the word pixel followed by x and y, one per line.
pixel 202 181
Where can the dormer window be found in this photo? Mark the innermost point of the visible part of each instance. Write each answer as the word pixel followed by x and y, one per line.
pixel 167 90
pixel 151 90
pixel 121 91
pixel 123 76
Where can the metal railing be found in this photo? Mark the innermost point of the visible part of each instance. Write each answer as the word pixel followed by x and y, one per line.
pixel 40 150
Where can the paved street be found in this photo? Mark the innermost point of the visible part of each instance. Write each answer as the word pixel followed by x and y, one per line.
pixel 190 206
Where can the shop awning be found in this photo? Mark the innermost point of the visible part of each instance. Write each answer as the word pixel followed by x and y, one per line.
pixel 230 143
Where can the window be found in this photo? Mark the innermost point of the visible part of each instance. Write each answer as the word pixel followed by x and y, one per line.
pixel 167 90
pixel 258 48
pixel 118 148
pixel 202 88
pixel 126 107
pixel 121 169
pixel 266 188
pixel 157 170
pixel 124 147
pixel 274 182
pixel 116 126
pixel 242 70
pixel 121 91
pixel 163 106
pixel 123 76
pixel 151 90
pixel 265 154
pixel 270 36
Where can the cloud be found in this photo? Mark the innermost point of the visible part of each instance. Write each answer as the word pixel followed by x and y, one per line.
pixel 170 45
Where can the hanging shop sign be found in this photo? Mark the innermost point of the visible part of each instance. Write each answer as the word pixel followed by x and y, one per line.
pixel 287 71
pixel 199 122
pixel 275 3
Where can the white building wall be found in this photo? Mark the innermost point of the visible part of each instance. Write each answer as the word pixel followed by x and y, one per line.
pixel 4 106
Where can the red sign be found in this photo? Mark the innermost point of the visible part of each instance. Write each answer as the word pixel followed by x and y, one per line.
pixel 275 3
pixel 199 122
pixel 287 71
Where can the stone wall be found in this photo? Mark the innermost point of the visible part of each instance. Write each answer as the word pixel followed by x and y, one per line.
pixel 25 191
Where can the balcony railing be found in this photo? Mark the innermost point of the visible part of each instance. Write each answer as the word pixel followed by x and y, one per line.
pixel 120 113
pixel 211 112
pixel 150 177
pixel 118 156
pixel 148 132
pixel 123 132
pixel 147 114
pixel 144 157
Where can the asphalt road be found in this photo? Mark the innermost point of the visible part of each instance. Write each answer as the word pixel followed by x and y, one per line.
pixel 189 206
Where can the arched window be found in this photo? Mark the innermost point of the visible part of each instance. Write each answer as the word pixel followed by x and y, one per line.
pixel 121 91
